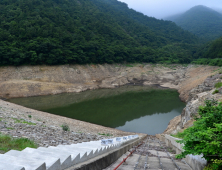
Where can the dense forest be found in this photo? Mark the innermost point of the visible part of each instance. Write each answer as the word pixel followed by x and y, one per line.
pixel 87 31
pixel 202 21
pixel 210 53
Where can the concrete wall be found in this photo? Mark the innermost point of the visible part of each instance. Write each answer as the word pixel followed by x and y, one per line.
pixel 106 159
pixel 196 162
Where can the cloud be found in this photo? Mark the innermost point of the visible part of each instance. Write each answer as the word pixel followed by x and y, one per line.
pixel 164 8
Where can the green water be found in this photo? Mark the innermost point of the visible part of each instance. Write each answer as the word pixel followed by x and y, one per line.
pixel 129 108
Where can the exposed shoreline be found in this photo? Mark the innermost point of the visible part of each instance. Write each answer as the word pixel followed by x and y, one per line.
pixel 25 81
pixel 184 79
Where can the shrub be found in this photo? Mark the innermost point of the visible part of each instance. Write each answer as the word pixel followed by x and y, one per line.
pixel 105 134
pixel 215 91
pixel 179 135
pixel 205 136
pixel 65 127
pixel 218 85
pixel 215 165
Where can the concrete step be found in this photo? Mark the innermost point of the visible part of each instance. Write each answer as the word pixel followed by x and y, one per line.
pixel 74 151
pixel 85 154
pixel 52 163
pixel 152 160
pixel 28 164
pixel 75 157
pixel 91 152
pixel 88 148
pixel 7 166
pixel 160 153
pixel 141 163
pixel 97 145
pixel 128 165
pixel 153 163
pixel 78 155
pixel 57 158
pixel 65 159
pixel 168 164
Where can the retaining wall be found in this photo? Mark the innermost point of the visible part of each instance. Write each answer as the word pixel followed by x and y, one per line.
pixel 196 162
pixel 106 159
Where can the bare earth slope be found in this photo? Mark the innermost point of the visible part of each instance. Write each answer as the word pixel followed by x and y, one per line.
pixel 194 90
pixel 27 81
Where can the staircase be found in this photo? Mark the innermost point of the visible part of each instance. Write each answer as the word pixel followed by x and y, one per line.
pixel 60 157
pixel 152 155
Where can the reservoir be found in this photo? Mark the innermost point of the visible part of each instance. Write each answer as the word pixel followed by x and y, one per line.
pixel 140 109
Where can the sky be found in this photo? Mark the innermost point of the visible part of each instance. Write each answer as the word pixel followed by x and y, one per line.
pixel 164 8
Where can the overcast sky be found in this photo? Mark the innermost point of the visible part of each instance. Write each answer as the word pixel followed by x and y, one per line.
pixel 164 8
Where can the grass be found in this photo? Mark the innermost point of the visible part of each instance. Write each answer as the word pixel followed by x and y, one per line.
pixel 105 134
pixel 215 91
pixel 10 128
pixel 7 143
pixel 23 121
pixel 129 65
pixel 218 85
pixel 179 135
pixel 171 150
pixel 184 65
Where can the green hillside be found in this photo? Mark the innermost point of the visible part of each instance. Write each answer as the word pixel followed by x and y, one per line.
pixel 201 21
pixel 214 50
pixel 210 53
pixel 87 31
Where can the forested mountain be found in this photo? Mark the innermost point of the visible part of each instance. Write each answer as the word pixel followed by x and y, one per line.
pixel 218 10
pixel 210 50
pixel 87 31
pixel 210 53
pixel 202 21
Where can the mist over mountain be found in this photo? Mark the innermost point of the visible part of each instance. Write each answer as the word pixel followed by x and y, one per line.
pixel 218 10
pixel 201 21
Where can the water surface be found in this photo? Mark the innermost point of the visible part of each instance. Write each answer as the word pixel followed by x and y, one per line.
pixel 129 108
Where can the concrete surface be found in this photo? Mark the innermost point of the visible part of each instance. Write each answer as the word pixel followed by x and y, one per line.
pixel 196 162
pixel 65 156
